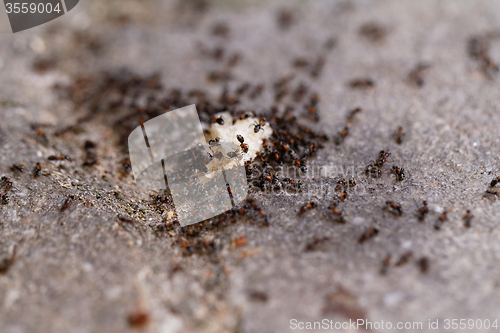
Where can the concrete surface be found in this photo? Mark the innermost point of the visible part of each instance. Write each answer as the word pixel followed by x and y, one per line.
pixel 82 269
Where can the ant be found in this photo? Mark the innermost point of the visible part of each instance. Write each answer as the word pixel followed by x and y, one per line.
pixel 352 114
pixel 423 211
pixel 468 219
pixel 229 190
pixel 368 234
pixel 214 142
pixel 38 170
pixel 400 135
pixel 362 83
pixel 244 147
pixel 394 208
pixel 233 154
pixel 59 158
pixel 240 138
pixel 404 259
pixel 372 31
pixel 4 199
pixel 219 120
pixel 19 167
pixel 382 158
pixel 386 263
pixel 7 183
pixel 373 171
pixel 440 221
pixel 338 215
pixel 423 263
pixel 343 196
pixel 342 135
pixel 67 202
pixel 399 172
pixel 307 207
pixel 495 181
pixel 127 165
pixel 300 165
pixel 415 75
pixel 258 126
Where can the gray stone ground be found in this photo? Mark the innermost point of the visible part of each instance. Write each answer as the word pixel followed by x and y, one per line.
pixel 81 270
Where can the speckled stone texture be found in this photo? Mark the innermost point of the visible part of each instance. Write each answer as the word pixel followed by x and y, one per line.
pixel 81 268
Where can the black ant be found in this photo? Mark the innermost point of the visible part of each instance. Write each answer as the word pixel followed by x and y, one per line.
pixel 339 217
pixel 233 154
pixel 394 208
pixel 67 202
pixel 440 221
pixel 352 114
pixel 495 181
pixel 258 126
pixel 362 83
pixel 4 199
pixel 219 120
pixel 300 165
pixel 368 234
pixel 468 219
pixel 423 264
pixel 38 170
pixel 214 142
pixel 399 172
pixel 7 183
pixel 127 165
pixel 372 171
pixel 342 135
pixel 19 167
pixel 372 31
pixel 404 259
pixel 307 207
pixel 386 264
pixel 382 158
pixel 240 138
pixel 415 75
pixel 59 158
pixel 423 211
pixel 400 135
